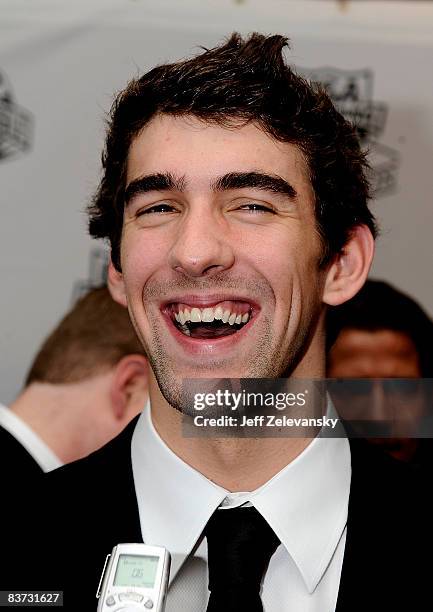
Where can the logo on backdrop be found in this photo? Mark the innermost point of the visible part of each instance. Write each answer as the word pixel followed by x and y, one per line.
pixel 97 275
pixel 352 93
pixel 16 123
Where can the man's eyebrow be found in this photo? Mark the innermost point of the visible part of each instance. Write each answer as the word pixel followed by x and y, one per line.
pixel 160 181
pixel 256 180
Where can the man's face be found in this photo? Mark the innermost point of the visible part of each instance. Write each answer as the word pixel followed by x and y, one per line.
pixel 219 252
pixel 380 354
pixel 384 353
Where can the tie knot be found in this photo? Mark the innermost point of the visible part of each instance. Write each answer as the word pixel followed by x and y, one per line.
pixel 240 545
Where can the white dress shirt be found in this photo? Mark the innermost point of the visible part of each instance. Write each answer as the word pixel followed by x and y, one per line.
pixel 305 504
pixel 41 452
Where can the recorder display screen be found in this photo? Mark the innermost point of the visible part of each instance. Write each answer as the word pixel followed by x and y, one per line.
pixel 136 571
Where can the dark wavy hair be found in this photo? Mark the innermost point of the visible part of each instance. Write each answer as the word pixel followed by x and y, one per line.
pixel 242 81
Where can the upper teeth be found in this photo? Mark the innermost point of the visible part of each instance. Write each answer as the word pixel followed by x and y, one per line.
pixel 207 315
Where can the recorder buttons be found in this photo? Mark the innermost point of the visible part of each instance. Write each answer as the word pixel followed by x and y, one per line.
pixel 131 596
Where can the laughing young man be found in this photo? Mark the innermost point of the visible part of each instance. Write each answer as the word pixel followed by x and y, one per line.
pixel 235 200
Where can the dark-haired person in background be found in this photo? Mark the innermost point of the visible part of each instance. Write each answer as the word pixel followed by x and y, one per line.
pixel 383 333
pixel 88 380
pixel 235 200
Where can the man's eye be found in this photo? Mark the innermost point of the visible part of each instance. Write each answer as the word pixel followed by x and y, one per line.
pixel 158 208
pixel 253 207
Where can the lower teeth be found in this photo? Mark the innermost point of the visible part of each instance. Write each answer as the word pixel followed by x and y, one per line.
pixel 229 330
pixel 184 329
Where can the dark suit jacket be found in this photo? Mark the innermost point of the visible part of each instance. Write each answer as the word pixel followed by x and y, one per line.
pixel 17 464
pixel 90 506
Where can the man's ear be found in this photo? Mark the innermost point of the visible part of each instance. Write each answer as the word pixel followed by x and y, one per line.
pixel 129 387
pixel 116 285
pixel 349 269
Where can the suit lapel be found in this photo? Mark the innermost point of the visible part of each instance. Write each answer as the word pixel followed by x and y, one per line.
pixel 123 520
pixel 379 565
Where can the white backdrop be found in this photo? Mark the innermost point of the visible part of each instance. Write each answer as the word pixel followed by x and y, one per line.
pixel 60 64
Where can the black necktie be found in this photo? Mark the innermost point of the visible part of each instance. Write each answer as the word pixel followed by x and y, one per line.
pixel 240 545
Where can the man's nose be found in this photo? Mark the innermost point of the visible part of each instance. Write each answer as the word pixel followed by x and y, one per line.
pixel 202 246
pixel 382 407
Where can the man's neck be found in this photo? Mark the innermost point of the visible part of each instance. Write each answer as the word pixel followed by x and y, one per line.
pixel 61 415
pixel 237 464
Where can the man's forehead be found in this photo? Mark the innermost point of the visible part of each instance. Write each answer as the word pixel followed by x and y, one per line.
pixel 377 340
pixel 188 147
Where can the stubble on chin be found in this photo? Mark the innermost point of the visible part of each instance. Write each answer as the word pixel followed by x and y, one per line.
pixel 264 361
pixel 268 357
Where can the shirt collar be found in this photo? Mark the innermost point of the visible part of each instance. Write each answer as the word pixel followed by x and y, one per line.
pixel 305 503
pixel 34 445
pixel 175 501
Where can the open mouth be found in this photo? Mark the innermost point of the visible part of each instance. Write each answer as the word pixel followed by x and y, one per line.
pixel 216 321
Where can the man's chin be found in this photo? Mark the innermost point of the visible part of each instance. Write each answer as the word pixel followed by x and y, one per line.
pixel 179 390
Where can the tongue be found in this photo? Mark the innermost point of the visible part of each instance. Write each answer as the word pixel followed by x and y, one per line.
pixel 207 331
